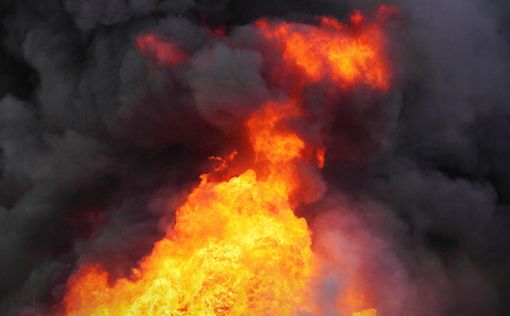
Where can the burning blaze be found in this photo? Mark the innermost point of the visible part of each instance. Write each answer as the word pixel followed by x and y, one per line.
pixel 237 246
pixel 346 55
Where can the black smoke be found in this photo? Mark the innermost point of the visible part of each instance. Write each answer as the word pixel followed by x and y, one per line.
pixel 98 146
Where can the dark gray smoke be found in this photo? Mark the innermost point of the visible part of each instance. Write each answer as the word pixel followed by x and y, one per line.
pixel 98 146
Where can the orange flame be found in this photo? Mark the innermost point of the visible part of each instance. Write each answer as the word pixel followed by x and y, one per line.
pixel 321 157
pixel 237 247
pixel 368 312
pixel 333 51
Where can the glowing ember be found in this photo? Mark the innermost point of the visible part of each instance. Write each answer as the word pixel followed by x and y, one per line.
pixel 321 157
pixel 237 247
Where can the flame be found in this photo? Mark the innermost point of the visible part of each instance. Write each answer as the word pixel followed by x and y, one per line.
pixel 321 157
pixel 159 49
pixel 368 312
pixel 237 246
pixel 354 300
pixel 333 51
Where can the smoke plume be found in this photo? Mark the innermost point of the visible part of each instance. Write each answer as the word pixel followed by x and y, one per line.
pixel 102 137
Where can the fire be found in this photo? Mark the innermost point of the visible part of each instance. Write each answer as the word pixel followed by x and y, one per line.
pixel 355 300
pixel 333 51
pixel 368 312
pixel 237 246
pixel 321 157
pixel 162 51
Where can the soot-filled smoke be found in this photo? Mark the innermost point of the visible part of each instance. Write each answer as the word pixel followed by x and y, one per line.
pixel 98 143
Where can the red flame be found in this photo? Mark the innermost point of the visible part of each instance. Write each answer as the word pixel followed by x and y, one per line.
pixel 237 246
pixel 333 51
pixel 161 50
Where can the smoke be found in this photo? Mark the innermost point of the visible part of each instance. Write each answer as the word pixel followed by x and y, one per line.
pixel 99 145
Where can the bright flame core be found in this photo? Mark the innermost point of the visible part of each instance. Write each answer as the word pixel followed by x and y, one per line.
pixel 237 247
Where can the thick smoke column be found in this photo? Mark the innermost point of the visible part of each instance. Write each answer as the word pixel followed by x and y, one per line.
pixel 98 142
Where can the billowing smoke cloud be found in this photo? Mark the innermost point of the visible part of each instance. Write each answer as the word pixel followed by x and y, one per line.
pixel 99 145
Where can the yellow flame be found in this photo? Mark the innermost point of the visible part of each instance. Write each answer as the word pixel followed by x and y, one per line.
pixel 368 312
pixel 237 247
